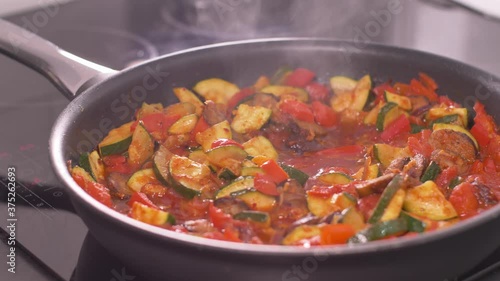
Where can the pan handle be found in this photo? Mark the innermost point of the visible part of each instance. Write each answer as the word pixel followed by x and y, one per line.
pixel 69 73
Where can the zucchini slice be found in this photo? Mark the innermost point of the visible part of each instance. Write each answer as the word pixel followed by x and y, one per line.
pixel 458 129
pixel 238 186
pixel 251 171
pixel 220 130
pixel 79 171
pixel 448 119
pixel 380 230
pixel 361 93
pixel 93 165
pixel 256 216
pixel 188 177
pixel 402 101
pixel 335 178
pixel 257 200
pixel 341 102
pixel 371 117
pixel 388 113
pixel 280 75
pixel 372 173
pixel 117 141
pixel 353 217
pixel 385 153
pixel 426 200
pixel 140 178
pixel 185 95
pixel 386 199
pixel 228 156
pixel 440 112
pixel 431 172
pixel 147 109
pixel 160 164
pixel 142 146
pixel 180 109
pixel 184 125
pixel 414 224
pixel 250 118
pixel 150 215
pixel 226 174
pixel 343 201
pixel 216 89
pixel 301 232
pixel 280 91
pixel 395 206
pixel 319 206
pixel 295 174
pixel 341 85
pixel 260 145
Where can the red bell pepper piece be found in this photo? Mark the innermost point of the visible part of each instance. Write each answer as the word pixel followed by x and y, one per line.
pixel 297 110
pixel 444 179
pixel 464 200
pixel 300 77
pixel 318 92
pixel 225 142
pixel 400 126
pixel 98 191
pixel 334 234
pixel 427 81
pixel 238 97
pixel 480 134
pixel 402 89
pixel 265 184
pixel 116 163
pixel 141 198
pixel 419 143
pixel 323 114
pixel 419 89
pixel 272 169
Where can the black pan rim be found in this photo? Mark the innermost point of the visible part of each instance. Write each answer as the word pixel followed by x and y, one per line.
pixel 60 166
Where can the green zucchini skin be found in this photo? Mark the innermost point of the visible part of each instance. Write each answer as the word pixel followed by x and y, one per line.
pixel 383 114
pixel 414 224
pixel 431 173
pixel 256 216
pixel 380 230
pixel 296 174
pixel 394 185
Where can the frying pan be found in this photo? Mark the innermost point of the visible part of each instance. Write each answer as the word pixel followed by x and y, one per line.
pixel 103 98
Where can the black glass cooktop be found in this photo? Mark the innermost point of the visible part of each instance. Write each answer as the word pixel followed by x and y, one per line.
pixel 53 243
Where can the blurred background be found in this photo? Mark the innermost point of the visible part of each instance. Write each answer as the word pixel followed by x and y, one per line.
pixel 53 242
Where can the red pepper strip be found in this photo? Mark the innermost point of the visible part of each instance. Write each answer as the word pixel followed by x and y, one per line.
pixel 157 122
pixel 419 89
pixel 272 169
pixel 427 81
pixel 464 200
pixel 224 223
pixel 318 92
pixel 380 91
pixel 297 110
pixel 397 127
pixel 141 198
pixel 225 142
pixel 342 151
pixel 265 184
pixel 300 77
pixel 334 234
pixel 419 143
pixel 116 163
pixel 480 134
pixel 323 114
pixel 238 97
pixel 98 191
pixel 200 126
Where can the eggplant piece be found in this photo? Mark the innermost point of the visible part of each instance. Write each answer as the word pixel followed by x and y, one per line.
pixel 231 205
pixel 416 166
pixel 214 112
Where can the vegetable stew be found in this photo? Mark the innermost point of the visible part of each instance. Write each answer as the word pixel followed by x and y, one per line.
pixel 292 161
